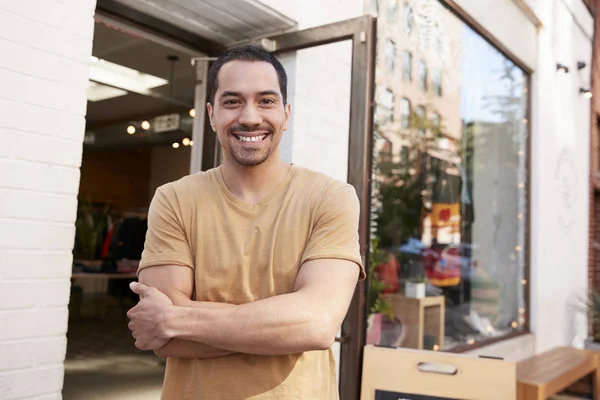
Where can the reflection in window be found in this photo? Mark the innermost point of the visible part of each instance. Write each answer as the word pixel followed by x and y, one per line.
pixel 435 120
pixel 384 110
pixel 391 10
pixel 406 66
pixel 421 120
pixel 451 212
pixel 390 54
pixel 423 75
pixel 408 19
pixel 405 110
pixel 437 83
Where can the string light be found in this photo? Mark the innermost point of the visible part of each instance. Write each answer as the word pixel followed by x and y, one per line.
pixel 521 310
pixel 518 248
pixel 520 153
pixel 191 142
pixel 436 347
pixel 514 324
pixel 521 185
pixel 523 281
pixel 519 216
pixel 175 145
pixel 193 113
pixel 146 125
pixel 131 129
pixel 186 141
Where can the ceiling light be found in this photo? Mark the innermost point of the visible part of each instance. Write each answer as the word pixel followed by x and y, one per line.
pixel 131 129
pixel 99 92
pixel 175 145
pixel 587 93
pixel 146 125
pixel 193 113
pixel 118 76
pixel 186 141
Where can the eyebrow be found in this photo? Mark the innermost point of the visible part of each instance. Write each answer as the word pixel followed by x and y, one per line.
pixel 229 93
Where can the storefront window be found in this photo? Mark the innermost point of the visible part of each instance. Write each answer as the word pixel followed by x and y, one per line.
pixel 449 239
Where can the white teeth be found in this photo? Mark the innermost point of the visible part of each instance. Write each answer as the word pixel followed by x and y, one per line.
pixel 251 139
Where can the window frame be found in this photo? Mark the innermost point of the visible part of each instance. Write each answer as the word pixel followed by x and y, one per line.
pixel 497 44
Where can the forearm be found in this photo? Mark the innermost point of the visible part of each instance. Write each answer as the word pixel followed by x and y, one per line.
pixel 284 324
pixel 181 348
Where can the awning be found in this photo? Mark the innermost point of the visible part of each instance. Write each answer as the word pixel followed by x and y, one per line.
pixel 225 22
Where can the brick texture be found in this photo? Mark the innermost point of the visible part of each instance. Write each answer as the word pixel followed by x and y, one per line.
pixel 46 48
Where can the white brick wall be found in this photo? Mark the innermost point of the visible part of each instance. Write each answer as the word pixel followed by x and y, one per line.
pixel 45 49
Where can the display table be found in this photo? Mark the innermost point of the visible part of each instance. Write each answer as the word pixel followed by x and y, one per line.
pixel 419 317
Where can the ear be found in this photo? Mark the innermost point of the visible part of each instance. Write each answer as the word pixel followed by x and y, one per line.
pixel 211 116
pixel 288 113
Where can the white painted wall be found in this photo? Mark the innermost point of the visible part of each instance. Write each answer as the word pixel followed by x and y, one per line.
pixel 45 49
pixel 561 150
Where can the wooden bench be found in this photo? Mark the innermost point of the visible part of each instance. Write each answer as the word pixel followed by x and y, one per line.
pixel 549 373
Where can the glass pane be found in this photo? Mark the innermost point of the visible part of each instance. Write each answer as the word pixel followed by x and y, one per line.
pixel 449 190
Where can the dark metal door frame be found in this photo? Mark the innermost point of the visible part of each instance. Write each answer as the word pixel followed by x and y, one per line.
pixel 362 32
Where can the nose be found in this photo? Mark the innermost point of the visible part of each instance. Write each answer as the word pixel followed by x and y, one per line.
pixel 250 116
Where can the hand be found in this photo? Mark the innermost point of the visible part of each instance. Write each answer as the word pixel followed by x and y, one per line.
pixel 147 317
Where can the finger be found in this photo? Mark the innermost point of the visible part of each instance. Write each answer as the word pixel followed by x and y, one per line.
pixel 138 288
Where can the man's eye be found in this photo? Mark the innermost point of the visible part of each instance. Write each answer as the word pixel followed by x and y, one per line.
pixel 230 102
pixel 268 101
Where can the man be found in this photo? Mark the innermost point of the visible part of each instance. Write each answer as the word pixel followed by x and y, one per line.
pixel 249 268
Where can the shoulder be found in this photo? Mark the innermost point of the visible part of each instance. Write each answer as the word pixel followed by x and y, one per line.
pixel 188 187
pixel 325 190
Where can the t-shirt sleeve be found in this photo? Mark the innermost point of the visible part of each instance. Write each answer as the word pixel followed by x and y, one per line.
pixel 166 241
pixel 335 230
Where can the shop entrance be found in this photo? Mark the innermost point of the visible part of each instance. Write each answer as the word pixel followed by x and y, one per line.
pixel 152 132
pixel 138 136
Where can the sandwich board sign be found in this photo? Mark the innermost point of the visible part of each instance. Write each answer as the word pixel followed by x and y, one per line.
pixel 407 374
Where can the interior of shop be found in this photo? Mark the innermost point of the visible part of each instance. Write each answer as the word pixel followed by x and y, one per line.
pixel 138 136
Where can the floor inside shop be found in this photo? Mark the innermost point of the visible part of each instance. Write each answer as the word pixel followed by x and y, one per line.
pixel 102 362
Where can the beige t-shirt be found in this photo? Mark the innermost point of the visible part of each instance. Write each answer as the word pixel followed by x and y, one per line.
pixel 242 253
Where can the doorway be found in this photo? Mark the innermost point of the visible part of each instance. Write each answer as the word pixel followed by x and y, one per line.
pixel 138 136
pixel 137 140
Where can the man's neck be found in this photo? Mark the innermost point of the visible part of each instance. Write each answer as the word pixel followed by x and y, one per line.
pixel 252 184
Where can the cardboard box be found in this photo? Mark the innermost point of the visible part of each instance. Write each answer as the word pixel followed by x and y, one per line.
pixel 406 374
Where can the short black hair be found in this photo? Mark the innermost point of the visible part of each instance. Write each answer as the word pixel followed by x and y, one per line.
pixel 245 53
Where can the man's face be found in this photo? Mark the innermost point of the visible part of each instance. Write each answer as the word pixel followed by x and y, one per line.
pixel 248 113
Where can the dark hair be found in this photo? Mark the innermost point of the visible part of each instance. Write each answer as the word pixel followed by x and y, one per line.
pixel 245 53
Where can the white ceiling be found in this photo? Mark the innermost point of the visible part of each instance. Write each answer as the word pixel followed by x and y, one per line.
pixel 222 21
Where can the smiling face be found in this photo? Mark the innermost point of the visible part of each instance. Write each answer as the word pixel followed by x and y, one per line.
pixel 248 114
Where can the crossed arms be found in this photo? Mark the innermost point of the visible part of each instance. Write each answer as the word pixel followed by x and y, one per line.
pixel 306 319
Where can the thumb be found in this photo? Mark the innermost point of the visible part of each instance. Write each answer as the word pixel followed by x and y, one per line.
pixel 138 288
